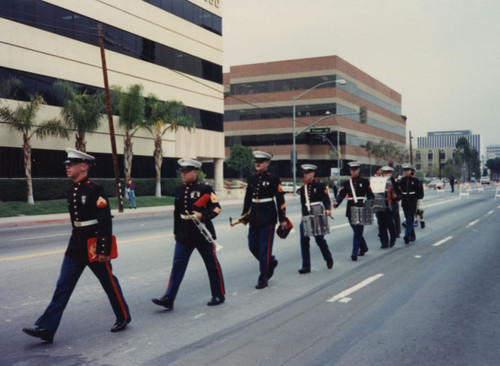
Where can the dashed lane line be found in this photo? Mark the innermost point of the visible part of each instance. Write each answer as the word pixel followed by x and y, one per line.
pixel 442 241
pixel 343 296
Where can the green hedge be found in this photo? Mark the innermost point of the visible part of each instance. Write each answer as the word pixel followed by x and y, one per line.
pixel 14 189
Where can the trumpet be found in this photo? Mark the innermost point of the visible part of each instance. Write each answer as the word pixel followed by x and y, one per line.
pixel 204 231
pixel 243 219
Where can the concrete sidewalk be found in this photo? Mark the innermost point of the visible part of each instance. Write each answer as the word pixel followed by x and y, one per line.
pixel 17 221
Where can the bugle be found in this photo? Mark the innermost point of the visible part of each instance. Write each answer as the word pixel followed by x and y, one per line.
pixel 243 219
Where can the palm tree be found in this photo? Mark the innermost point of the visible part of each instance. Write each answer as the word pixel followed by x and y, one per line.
pixel 80 111
pixel 23 119
pixel 131 106
pixel 162 117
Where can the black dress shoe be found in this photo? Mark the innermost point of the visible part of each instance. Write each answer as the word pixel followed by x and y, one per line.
pixel 304 270
pixel 362 252
pixel 261 286
pixel 413 238
pixel 384 247
pixel 329 263
pixel 407 239
pixel 165 301
pixel 354 257
pixel 393 241
pixel 216 301
pixel 120 325
pixel 422 224
pixel 39 332
pixel 272 266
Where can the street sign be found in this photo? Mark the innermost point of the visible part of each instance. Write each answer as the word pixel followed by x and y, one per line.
pixel 334 172
pixel 319 130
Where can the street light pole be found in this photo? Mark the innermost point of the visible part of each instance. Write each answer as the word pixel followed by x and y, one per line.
pixel 294 151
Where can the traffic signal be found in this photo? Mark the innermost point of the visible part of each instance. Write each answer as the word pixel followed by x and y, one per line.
pixel 391 163
pixel 362 115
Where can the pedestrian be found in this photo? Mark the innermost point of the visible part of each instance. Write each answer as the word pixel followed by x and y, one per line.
pixel 313 192
pixel 265 201
pixel 452 184
pixel 131 187
pixel 411 192
pixel 91 221
pixel 193 198
pixel 355 190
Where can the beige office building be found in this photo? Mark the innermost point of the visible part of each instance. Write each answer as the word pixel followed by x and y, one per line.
pixel 172 48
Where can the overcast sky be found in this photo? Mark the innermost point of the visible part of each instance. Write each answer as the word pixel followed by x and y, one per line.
pixel 442 56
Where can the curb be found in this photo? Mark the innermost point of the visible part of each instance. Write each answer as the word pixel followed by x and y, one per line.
pixel 24 221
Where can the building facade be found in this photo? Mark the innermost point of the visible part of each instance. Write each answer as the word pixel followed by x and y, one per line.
pixel 435 149
pixel 492 151
pixel 173 48
pixel 447 139
pixel 259 112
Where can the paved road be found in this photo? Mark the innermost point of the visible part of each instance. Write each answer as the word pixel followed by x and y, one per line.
pixel 434 302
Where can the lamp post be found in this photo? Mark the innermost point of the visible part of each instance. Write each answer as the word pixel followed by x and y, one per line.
pixel 294 150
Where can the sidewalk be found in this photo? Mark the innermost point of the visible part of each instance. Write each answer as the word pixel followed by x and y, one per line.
pixel 17 221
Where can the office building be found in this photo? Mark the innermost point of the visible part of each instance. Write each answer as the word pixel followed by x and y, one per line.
pixel 492 151
pixel 172 48
pixel 259 112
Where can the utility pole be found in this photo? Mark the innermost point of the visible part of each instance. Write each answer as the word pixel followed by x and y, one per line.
pixel 411 151
pixel 110 121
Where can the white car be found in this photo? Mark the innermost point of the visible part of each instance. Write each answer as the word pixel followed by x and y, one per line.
pixel 287 187
pixel 435 184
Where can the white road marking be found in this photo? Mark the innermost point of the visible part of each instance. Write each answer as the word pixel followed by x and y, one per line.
pixel 418 256
pixel 355 288
pixel 473 223
pixel 442 241
pixel 345 300
pixel 490 212
pixel 198 316
pixel 129 350
pixel 39 237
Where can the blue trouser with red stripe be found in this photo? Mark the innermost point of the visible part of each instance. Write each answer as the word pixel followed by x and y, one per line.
pixel 182 253
pixel 71 271
pixel 260 243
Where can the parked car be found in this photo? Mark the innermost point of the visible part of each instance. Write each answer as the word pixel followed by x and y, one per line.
pixel 435 184
pixel 287 187
pixel 485 180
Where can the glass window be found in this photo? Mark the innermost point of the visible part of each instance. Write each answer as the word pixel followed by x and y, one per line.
pixel 188 11
pixel 429 155
pixel 64 22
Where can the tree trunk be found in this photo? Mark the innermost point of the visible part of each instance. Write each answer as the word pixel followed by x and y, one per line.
pixel 27 169
pixel 80 143
pixel 128 154
pixel 158 155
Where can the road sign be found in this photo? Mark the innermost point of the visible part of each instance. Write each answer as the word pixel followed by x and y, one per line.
pixel 319 130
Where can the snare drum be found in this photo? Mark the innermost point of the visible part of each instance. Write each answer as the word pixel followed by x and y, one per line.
pixel 315 225
pixel 361 215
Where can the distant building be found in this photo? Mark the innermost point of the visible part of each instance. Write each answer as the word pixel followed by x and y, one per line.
pixel 259 111
pixel 445 139
pixel 172 48
pixel 438 147
pixel 492 151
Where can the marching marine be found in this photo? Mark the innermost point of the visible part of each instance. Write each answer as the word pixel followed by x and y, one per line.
pixel 355 190
pixel 313 192
pixel 193 199
pixel 90 215
pixel 411 191
pixel 262 191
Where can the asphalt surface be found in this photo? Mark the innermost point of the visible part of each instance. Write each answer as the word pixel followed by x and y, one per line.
pixel 433 302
